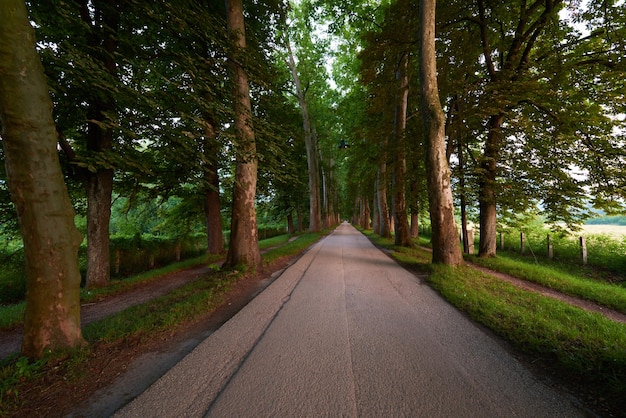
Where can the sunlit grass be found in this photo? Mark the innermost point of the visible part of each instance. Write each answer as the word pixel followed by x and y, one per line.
pixel 613 296
pixel 274 241
pixel 303 242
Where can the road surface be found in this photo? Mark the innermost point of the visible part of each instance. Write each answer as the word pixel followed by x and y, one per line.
pixel 345 331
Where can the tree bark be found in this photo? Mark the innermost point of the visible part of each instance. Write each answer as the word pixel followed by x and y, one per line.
pixel 312 155
pixel 99 184
pixel 243 248
pixel 384 225
pixel 414 209
pixel 402 231
pixel 487 189
pixel 36 183
pixel 446 247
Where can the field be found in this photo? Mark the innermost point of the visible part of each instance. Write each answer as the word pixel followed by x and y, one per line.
pixel 617 231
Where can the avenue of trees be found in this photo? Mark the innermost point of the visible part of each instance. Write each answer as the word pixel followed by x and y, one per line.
pixel 384 112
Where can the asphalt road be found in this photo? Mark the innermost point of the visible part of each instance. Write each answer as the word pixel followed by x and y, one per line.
pixel 345 331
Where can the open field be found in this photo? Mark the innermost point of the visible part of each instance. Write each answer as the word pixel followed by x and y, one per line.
pixel 617 231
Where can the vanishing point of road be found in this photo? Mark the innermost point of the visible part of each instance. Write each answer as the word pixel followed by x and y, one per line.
pixel 345 331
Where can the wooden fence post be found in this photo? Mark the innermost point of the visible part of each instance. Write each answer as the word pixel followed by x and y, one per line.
pixel 522 239
pixel 583 250
pixel 501 241
pixel 470 241
pixel 550 251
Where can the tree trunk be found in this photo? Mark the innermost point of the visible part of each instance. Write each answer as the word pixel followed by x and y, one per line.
pixel 384 225
pixel 243 248
pixel 99 188
pixel 446 247
pixel 414 208
pixel 290 226
pixel 402 231
pixel 366 213
pixel 466 243
pixel 312 156
pixel 487 189
pixel 99 184
pixel 212 207
pixel 36 183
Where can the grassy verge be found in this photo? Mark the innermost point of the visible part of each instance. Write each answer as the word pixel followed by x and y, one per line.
pixel 290 248
pixel 12 315
pixel 183 305
pixel 274 241
pixel 584 349
pixel 603 293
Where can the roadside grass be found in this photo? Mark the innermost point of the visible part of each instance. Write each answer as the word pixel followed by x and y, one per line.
pixel 583 349
pixel 274 241
pixel 289 249
pixel 13 315
pixel 601 292
pixel 580 345
pixel 183 305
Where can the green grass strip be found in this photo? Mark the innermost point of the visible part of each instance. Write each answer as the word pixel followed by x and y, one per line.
pixel 609 295
pixel 183 304
pixel 581 344
pixel 290 248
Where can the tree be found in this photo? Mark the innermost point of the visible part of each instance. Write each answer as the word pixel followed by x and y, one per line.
pixel 46 216
pixel 446 248
pixel 312 154
pixel 244 240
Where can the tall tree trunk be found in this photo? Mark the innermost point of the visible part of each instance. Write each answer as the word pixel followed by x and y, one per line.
pixel 487 188
pixel 446 247
pixel 290 226
pixel 462 194
pixel 414 208
pixel 312 156
pixel 402 231
pixel 36 183
pixel 212 207
pixel 99 184
pixel 366 213
pixel 384 225
pixel 99 188
pixel 375 215
pixel 244 235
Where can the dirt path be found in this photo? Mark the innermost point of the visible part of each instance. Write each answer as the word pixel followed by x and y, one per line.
pixel 555 294
pixel 10 340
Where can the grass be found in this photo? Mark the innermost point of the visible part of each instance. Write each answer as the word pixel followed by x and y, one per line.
pixel 290 248
pixel 12 315
pixel 606 294
pixel 274 241
pixel 584 349
pixel 583 345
